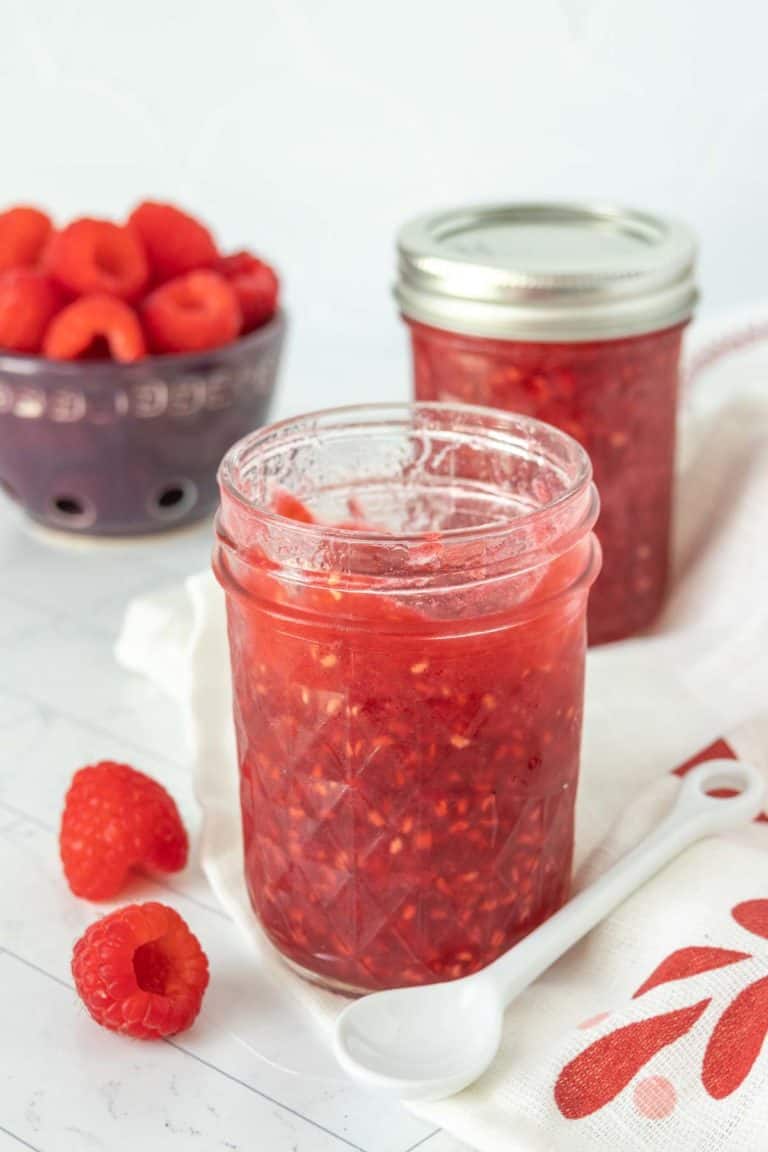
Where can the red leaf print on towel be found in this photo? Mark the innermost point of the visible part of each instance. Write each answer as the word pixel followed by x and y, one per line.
pixel 689 962
pixel 599 1073
pixel 753 915
pixel 717 750
pixel 736 1041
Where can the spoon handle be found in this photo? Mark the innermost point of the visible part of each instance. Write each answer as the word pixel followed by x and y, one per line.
pixel 693 815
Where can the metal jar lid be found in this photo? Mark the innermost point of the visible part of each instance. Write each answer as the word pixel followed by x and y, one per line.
pixel 547 272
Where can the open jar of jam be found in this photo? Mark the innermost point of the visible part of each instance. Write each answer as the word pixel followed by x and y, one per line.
pixel 572 314
pixel 406 594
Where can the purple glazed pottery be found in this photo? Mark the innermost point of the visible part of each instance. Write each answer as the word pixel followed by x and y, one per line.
pixel 124 449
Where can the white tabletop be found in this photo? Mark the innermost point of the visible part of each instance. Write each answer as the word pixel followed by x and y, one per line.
pixel 67 1085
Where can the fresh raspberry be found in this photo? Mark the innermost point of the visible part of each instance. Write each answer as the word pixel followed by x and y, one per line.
pixel 95 327
pixel 98 256
pixel 192 312
pixel 140 971
pixel 175 242
pixel 28 301
pixel 256 285
pixel 116 819
pixel 23 235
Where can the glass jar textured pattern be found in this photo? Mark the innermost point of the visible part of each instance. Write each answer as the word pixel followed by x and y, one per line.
pixel 406 595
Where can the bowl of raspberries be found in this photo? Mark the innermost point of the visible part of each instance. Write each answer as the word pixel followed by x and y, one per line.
pixel 132 355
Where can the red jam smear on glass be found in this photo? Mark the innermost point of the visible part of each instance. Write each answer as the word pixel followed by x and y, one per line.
pixel 618 398
pixel 407 781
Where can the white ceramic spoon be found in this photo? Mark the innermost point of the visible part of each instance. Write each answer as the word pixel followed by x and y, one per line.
pixel 430 1042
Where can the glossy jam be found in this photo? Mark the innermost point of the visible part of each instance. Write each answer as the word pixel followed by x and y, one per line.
pixel 408 754
pixel 619 399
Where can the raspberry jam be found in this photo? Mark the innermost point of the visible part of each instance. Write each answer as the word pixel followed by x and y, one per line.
pixel 408 683
pixel 572 314
pixel 619 398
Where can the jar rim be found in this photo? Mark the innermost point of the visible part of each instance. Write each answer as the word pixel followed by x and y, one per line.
pixel 234 455
pixel 519 542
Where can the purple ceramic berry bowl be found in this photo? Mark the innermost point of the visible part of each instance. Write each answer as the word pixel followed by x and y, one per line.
pixel 124 449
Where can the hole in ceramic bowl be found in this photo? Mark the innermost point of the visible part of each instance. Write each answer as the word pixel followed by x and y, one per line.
pixel 174 499
pixel 74 511
pixel 68 505
pixel 169 497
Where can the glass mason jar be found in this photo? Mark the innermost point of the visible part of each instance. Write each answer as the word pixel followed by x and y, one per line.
pixel 406 593
pixel 572 314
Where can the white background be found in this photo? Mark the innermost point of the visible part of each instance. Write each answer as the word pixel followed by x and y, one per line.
pixel 310 129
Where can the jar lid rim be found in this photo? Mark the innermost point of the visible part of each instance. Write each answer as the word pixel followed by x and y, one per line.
pixel 547 270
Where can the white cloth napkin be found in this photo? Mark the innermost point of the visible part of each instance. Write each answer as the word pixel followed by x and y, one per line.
pixel 585 1062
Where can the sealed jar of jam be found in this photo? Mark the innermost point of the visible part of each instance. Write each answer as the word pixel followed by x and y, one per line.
pixel 406 594
pixel 572 314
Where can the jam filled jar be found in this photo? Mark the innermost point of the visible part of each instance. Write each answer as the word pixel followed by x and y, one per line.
pixel 575 315
pixel 406 594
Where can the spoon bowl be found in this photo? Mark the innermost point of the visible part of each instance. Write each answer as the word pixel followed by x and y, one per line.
pixel 421 1043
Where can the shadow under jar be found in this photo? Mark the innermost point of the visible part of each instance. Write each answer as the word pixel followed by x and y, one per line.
pixel 122 449
pixel 573 314
pixel 408 664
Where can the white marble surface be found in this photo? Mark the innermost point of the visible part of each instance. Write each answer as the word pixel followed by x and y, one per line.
pixel 65 1084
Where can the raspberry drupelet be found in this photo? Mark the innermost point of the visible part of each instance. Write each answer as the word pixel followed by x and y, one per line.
pixel 141 971
pixel 191 313
pixel 98 256
pixel 115 820
pixel 174 241
pixel 94 327
pixel 24 233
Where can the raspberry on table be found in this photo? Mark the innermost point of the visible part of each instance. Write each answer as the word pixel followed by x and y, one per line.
pixel 174 241
pixel 256 285
pixel 115 820
pixel 191 313
pixel 24 232
pixel 95 327
pixel 98 256
pixel 141 971
pixel 28 302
